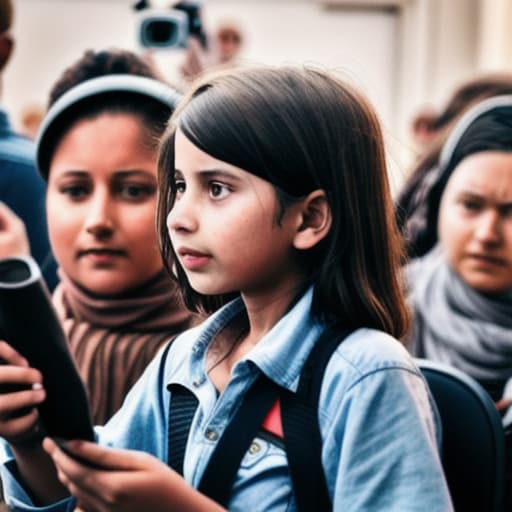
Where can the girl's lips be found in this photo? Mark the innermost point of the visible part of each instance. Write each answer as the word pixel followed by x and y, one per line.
pixel 194 261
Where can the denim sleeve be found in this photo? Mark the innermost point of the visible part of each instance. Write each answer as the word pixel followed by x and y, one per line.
pixel 17 499
pixel 381 452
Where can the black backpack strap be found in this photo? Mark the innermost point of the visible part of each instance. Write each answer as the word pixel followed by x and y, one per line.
pixel 182 407
pixel 218 478
pixel 299 415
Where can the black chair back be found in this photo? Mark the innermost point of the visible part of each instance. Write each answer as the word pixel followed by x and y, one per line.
pixel 473 450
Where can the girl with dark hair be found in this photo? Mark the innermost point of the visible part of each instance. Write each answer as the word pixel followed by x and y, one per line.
pixel 275 216
pixel 461 289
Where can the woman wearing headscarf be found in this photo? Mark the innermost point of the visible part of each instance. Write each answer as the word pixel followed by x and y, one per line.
pixel 461 290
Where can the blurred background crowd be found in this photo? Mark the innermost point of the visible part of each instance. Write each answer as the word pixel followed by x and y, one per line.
pixel 406 55
pixel 426 65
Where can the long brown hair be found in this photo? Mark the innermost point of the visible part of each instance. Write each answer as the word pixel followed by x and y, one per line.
pixel 303 129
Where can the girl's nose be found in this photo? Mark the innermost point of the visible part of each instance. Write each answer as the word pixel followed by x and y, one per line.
pixel 488 229
pixel 99 221
pixel 182 216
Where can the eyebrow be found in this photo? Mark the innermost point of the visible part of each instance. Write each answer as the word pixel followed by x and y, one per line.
pixel 212 173
pixel 483 198
pixel 122 173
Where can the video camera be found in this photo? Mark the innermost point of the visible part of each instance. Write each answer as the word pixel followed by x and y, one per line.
pixel 163 29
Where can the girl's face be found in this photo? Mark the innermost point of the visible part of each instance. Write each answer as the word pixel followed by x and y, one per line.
pixel 101 202
pixel 475 221
pixel 223 227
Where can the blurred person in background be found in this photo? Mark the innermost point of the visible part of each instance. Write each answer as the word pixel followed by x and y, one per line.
pixel 461 290
pixel 97 150
pixel 412 213
pixel 31 117
pixel 223 50
pixel 21 187
pixel 229 39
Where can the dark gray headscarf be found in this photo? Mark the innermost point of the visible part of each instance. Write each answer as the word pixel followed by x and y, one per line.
pixel 455 324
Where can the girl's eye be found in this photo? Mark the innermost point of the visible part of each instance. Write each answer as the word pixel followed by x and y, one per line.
pixel 179 186
pixel 218 190
pixel 75 192
pixel 136 191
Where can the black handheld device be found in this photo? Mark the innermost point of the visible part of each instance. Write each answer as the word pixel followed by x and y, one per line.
pixel 29 323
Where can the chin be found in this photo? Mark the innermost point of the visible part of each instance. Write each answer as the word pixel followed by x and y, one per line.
pixel 205 289
pixel 489 288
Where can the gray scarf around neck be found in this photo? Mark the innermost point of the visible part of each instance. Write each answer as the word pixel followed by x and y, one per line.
pixel 455 324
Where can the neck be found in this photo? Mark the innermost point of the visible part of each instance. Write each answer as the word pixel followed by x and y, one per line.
pixel 264 310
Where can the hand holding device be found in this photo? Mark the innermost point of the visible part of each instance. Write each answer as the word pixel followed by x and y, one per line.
pixel 29 323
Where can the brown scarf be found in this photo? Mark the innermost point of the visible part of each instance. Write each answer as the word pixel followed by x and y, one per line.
pixel 113 339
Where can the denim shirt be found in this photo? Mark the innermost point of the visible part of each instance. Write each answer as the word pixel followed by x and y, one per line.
pixel 380 442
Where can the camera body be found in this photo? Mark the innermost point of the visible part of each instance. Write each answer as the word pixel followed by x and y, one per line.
pixel 164 29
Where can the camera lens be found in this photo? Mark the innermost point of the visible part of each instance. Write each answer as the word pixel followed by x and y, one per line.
pixel 161 32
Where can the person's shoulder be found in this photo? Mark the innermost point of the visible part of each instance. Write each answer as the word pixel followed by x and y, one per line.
pixel 17 149
pixel 182 346
pixel 367 350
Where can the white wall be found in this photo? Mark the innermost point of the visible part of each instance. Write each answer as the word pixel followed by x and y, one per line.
pixel 495 36
pixel 53 33
pixel 402 57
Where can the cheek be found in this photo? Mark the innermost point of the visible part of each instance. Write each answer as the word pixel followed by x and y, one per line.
pixel 452 240
pixel 451 228
pixel 62 229
pixel 141 235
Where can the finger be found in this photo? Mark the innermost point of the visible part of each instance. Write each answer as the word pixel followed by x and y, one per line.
pixel 6 215
pixel 13 402
pixel 108 458
pixel 12 374
pixel 88 503
pixel 9 355
pixel 503 404
pixel 81 481
pixel 21 428
pixel 8 218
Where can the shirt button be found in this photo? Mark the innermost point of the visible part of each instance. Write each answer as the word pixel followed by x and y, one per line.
pixel 254 448
pixel 211 435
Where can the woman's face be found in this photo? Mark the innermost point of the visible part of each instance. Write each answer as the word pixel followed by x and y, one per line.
pixel 475 221
pixel 101 202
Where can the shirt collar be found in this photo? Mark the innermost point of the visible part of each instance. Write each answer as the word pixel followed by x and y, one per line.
pixel 280 354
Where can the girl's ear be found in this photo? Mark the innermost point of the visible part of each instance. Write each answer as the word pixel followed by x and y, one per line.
pixel 315 220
